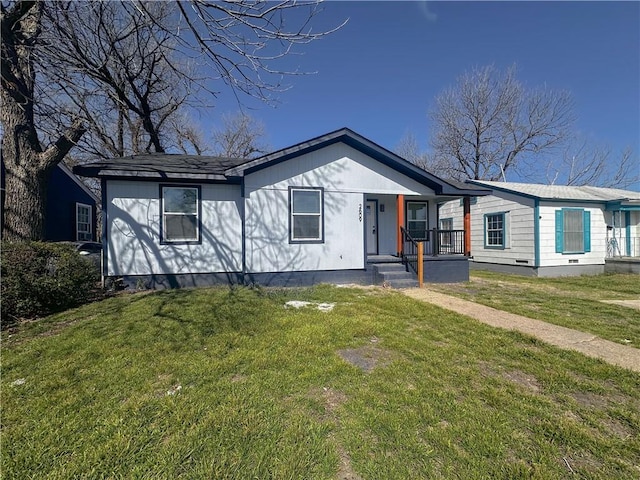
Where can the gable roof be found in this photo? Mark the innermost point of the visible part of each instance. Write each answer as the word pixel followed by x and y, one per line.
pixel 231 170
pixel 562 192
pixel 366 146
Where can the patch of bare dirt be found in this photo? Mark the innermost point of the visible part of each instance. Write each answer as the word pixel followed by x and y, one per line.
pixel 345 470
pixel 523 379
pixel 367 357
pixel 618 429
pixel 587 399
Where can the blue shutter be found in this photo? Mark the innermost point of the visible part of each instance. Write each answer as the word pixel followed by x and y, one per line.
pixel 587 230
pixel 559 231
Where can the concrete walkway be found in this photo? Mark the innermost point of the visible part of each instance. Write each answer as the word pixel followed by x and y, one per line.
pixel 586 343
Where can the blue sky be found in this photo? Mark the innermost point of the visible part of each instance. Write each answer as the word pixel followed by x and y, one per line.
pixel 380 73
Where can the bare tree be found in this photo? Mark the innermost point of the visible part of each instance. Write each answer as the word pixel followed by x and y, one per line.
pixel 79 61
pixel 583 163
pixel 409 149
pixel 27 163
pixel 240 136
pixel 490 123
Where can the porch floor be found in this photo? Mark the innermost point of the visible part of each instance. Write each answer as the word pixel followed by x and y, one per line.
pixel 383 259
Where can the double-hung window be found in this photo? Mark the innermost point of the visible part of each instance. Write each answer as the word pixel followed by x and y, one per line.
pixel 180 214
pixel 306 215
pixel 83 222
pixel 417 220
pixel 494 230
pixel 573 230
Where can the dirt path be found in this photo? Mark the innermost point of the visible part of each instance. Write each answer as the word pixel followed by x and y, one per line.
pixel 586 343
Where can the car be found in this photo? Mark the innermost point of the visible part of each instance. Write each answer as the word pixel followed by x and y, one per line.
pixel 88 248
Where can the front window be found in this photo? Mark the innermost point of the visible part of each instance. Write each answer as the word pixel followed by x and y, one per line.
pixel 180 214
pixel 417 223
pixel 306 215
pixel 494 230
pixel 83 222
pixel 573 231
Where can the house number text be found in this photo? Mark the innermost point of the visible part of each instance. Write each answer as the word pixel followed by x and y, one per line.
pixel 360 212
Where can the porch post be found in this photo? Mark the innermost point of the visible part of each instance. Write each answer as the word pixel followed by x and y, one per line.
pixel 466 205
pixel 400 221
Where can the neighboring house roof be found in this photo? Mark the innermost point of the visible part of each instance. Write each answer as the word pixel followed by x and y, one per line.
pixel 78 182
pixel 195 167
pixel 562 192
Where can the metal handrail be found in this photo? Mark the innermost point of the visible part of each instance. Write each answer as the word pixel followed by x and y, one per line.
pixel 409 253
pixel 412 255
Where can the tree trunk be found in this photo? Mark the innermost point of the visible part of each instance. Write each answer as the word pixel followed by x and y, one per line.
pixel 27 167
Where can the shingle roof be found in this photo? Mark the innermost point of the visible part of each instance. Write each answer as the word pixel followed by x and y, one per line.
pixel 561 192
pixel 219 169
pixel 162 165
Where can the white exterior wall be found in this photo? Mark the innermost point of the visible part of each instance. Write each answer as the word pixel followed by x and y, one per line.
pixel 519 230
pixel 453 210
pixel 548 255
pixel 133 232
pixel 347 176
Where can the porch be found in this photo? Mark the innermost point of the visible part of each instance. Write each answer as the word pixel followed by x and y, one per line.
pixel 438 257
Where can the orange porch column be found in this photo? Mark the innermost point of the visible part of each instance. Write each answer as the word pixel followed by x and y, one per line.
pixel 466 205
pixel 400 220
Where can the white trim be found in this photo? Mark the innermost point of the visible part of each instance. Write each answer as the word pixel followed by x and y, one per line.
pixel 90 232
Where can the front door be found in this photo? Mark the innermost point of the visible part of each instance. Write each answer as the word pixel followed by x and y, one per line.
pixel 371 226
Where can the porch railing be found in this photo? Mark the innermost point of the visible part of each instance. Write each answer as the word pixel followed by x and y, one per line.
pixel 621 247
pixel 438 242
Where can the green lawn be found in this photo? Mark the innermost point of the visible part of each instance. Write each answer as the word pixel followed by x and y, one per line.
pixel 219 383
pixel 573 302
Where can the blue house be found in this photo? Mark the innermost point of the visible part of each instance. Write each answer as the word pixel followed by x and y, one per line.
pixel 71 207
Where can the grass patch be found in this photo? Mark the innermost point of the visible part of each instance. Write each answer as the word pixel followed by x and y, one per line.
pixel 229 383
pixel 573 302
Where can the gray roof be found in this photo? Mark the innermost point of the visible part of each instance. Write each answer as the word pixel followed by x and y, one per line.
pixel 207 168
pixel 162 165
pixel 561 192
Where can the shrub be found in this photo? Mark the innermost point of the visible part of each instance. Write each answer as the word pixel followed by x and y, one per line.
pixel 41 278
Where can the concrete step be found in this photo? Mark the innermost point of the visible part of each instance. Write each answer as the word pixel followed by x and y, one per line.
pixel 395 275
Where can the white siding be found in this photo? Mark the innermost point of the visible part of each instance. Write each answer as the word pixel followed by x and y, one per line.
pixel 348 178
pixel 133 232
pixel 548 255
pixel 454 210
pixel 519 241
pixel 267 234
pixel 337 168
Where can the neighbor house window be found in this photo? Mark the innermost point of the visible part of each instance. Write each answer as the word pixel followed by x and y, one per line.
pixel 446 224
pixel 417 220
pixel 180 214
pixel 306 215
pixel 494 230
pixel 83 222
pixel 573 230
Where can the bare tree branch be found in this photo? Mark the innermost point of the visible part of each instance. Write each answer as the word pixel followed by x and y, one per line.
pixel 489 123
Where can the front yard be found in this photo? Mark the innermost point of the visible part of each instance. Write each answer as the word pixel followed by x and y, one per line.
pixel 236 384
pixel 574 302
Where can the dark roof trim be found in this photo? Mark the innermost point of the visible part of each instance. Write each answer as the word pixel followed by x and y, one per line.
pixel 364 145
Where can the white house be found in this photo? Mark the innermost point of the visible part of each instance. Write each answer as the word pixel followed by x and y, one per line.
pixel 550 230
pixel 328 209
